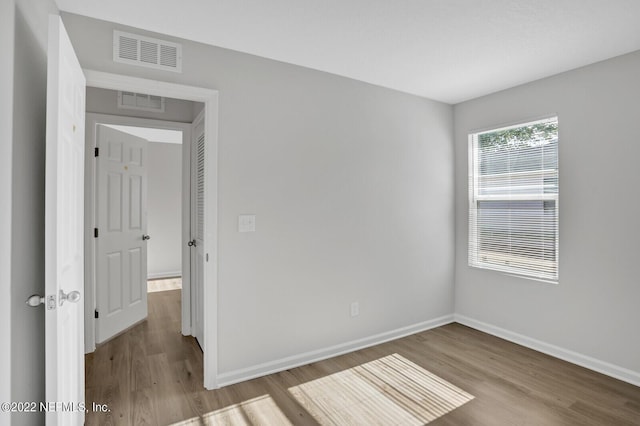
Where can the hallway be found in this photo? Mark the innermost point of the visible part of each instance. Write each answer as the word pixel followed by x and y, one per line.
pixel 150 374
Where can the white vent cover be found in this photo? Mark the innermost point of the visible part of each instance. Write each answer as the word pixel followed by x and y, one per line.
pixel 140 101
pixel 146 52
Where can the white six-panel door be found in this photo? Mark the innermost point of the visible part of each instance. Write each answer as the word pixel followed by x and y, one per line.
pixel 64 219
pixel 121 248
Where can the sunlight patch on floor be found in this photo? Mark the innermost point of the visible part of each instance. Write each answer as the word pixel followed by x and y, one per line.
pixel 257 411
pixel 164 284
pixel 388 391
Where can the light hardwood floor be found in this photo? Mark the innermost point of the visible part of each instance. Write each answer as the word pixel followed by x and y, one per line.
pixel 451 375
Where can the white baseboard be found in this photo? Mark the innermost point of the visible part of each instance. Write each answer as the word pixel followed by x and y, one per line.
pixel 603 367
pixel 276 366
pixel 159 275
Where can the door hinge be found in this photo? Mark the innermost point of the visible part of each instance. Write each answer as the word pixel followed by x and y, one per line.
pixel 95 232
pixel 96 152
pixel 96 314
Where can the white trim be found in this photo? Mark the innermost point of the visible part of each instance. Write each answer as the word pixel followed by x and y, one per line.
pixel 7 35
pixel 585 361
pixel 209 97
pixel 163 275
pixel 105 80
pixel 211 244
pixel 282 364
pixel 513 123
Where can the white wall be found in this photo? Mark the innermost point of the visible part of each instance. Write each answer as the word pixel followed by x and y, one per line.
pixel 593 311
pixel 352 186
pixel 103 101
pixel 7 29
pixel 164 205
pixel 27 203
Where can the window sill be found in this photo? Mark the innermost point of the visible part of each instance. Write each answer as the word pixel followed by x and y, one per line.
pixel 515 275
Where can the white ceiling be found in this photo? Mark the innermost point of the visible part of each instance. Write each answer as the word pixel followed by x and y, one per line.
pixel 447 50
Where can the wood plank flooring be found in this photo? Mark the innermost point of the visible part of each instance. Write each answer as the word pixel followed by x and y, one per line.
pixel 451 375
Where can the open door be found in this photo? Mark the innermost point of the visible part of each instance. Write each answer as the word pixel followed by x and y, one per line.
pixel 64 219
pixel 121 233
pixel 197 230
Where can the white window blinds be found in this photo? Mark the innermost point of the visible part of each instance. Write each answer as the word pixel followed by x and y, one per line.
pixel 513 199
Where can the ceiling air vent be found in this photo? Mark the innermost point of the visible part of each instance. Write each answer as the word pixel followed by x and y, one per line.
pixel 140 101
pixel 148 52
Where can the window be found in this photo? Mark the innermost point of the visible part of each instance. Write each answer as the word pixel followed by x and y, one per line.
pixel 513 199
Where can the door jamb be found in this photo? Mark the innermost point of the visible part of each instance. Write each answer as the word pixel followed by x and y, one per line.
pixel 209 97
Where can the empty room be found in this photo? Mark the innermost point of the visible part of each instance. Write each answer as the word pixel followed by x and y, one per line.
pixel 393 213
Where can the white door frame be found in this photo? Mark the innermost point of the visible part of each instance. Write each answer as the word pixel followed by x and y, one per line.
pixel 209 97
pixel 93 119
pixel 7 35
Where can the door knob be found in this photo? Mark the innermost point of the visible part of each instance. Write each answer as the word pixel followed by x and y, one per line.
pixel 146 237
pixel 72 296
pixel 192 243
pixel 35 300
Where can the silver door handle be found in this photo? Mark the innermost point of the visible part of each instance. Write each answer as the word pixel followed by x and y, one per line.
pixel 35 300
pixel 72 296
pixel 192 243
pixel 146 237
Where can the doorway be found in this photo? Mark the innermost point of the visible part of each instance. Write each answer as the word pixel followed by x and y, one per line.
pixel 139 200
pixel 97 125
pixel 209 206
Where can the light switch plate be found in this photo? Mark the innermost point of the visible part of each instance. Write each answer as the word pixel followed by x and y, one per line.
pixel 355 309
pixel 247 223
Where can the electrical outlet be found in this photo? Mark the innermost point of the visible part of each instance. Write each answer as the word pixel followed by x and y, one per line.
pixel 355 309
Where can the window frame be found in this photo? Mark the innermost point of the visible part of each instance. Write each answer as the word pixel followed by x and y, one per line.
pixel 474 198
